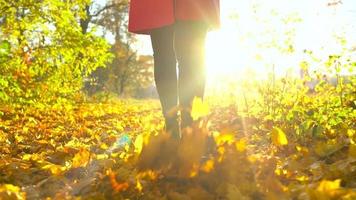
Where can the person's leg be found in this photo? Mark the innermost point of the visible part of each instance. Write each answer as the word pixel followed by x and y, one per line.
pixel 190 50
pixel 165 75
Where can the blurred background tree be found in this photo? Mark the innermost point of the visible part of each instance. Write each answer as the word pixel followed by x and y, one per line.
pixel 47 54
pixel 128 73
pixel 50 49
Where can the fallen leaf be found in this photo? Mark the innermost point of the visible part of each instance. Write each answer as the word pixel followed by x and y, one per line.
pixel 81 159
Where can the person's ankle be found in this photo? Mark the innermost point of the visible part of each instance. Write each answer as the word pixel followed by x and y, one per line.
pixel 186 120
pixel 172 127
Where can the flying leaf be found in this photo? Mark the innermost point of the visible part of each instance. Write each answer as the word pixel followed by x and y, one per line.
pixel 199 109
pixel 241 145
pixel 138 144
pixel 279 138
pixel 326 185
pixel 139 186
pixel 208 166
pixel 221 139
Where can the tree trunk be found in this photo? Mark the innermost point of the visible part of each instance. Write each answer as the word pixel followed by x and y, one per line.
pixel 84 23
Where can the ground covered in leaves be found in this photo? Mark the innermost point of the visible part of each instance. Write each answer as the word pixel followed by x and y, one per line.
pixel 117 151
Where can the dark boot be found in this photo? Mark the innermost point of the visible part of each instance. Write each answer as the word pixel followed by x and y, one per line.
pixel 172 127
pixel 186 119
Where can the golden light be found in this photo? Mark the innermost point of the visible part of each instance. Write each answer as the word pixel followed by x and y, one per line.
pixel 260 36
pixel 257 37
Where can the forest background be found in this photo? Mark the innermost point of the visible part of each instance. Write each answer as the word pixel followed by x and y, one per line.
pixel 78 108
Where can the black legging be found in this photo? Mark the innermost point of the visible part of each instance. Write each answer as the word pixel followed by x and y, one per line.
pixel 183 42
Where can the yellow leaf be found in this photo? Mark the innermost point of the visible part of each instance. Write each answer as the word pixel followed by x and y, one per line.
pixel 138 144
pixel 221 139
pixel 102 156
pixel 302 149
pixel 81 159
pixel 10 188
pixel 147 174
pixel 55 169
pixel 9 191
pixel 139 185
pixel 279 138
pixel 119 126
pixel 104 146
pixel 302 178
pixel 208 166
pixel 127 147
pixel 19 138
pixel 241 145
pixel 326 185
pixel 350 133
pixel 199 108
pixel 194 170
pixel 114 155
pixel 2 137
pixel 27 157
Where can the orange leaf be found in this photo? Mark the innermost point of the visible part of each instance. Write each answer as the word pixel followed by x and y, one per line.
pixel 118 187
pixel 81 159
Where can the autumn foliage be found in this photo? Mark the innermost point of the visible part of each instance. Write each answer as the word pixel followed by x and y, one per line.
pixel 117 150
pixel 275 139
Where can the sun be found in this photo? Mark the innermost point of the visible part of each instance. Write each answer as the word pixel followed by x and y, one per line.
pixel 266 37
pixel 222 53
pixel 255 37
pixel 231 50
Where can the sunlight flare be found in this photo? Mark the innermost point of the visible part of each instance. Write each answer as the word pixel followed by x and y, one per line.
pixel 260 36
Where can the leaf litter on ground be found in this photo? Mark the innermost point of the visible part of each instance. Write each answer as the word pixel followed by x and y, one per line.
pixel 118 151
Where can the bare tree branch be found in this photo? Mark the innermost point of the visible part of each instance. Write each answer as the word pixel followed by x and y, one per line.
pixel 106 8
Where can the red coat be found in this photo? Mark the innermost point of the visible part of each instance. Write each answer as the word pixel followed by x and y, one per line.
pixel 145 15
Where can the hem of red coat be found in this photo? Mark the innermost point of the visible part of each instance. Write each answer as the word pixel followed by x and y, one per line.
pixel 214 25
pixel 147 31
